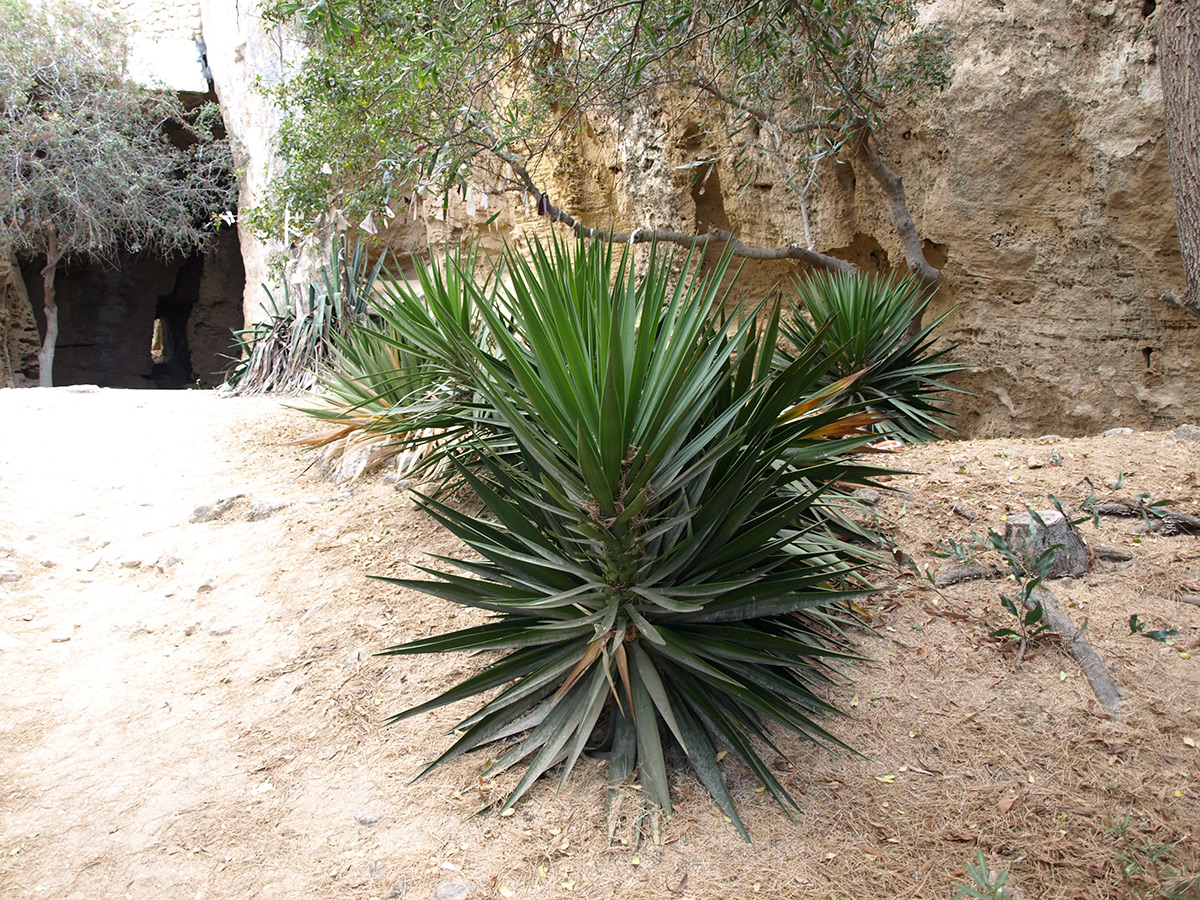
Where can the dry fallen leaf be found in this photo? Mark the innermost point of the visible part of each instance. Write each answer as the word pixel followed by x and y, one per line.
pixel 886 779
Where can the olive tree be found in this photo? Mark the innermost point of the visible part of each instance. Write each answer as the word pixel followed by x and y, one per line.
pixel 87 165
pixel 429 93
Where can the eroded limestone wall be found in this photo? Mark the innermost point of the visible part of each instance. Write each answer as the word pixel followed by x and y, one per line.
pixel 1041 173
pixel 1038 178
pixel 1039 181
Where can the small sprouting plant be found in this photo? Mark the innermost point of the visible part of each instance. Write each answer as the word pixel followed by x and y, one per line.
pixel 965 551
pixel 1163 636
pixel 1025 607
pixel 1151 870
pixel 986 885
pixel 1147 505
pixel 1088 506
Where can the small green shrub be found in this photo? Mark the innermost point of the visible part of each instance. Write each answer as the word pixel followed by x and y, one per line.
pixel 863 327
pixel 985 884
pixel 647 551
pixel 1150 869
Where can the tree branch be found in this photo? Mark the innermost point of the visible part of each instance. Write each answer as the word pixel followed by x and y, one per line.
pixel 761 115
pixel 1182 302
pixel 893 190
pixel 646 235
pixel 1094 669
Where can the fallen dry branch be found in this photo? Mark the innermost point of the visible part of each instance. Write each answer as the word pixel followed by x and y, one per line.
pixel 959 510
pixel 1112 554
pixel 1193 599
pixel 1083 652
pixel 967 573
pixel 1175 523
pixel 1159 520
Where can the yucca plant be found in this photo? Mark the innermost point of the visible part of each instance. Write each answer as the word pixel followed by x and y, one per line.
pixel 285 353
pixel 865 324
pixel 401 381
pixel 644 553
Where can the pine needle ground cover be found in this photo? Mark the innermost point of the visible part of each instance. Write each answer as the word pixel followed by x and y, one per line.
pixel 263 779
pixel 663 588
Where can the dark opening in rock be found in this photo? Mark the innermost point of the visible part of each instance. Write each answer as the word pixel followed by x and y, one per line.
pixel 140 321
pixel 143 322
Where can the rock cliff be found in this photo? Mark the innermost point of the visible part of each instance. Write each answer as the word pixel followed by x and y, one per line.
pixel 1038 179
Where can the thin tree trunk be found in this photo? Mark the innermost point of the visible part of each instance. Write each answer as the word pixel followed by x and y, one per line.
pixel 893 190
pixel 46 354
pixel 1179 64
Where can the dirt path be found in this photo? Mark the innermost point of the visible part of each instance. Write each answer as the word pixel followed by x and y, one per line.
pixel 191 709
pixel 135 642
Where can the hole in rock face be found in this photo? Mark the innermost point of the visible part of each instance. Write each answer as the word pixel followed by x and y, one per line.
pixel 866 253
pixel 170 353
pixel 1148 7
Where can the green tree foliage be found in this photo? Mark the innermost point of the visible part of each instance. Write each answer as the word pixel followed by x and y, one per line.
pixel 86 163
pixel 435 93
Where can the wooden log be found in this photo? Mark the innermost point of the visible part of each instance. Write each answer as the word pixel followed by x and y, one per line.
pixel 1160 520
pixel 1112 554
pixel 1030 538
pixel 1115 508
pixel 1082 652
pixel 967 573
pixel 959 510
pixel 1166 522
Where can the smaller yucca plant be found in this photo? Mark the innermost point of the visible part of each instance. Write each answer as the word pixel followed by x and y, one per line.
pixel 866 328
pixel 645 553
pixel 286 353
pixel 400 380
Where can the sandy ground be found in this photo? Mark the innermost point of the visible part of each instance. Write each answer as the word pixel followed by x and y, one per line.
pixel 192 709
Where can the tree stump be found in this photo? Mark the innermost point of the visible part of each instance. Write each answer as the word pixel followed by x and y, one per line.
pixel 1030 538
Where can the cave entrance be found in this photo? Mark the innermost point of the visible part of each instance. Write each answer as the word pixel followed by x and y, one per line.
pixel 144 322
pixel 139 321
